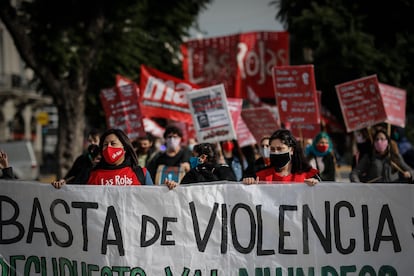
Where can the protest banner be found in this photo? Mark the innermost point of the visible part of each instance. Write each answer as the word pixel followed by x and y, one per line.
pixel 122 110
pixel 164 96
pixel 361 103
pixel 260 121
pixel 395 101
pixel 224 228
pixel 242 62
pixel 211 115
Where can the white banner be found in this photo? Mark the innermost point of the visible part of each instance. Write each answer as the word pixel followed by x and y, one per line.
pixel 217 229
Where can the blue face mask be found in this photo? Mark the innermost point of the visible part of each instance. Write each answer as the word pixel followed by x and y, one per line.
pixel 194 162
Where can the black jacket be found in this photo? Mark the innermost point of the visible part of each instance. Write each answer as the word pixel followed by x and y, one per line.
pixel 208 173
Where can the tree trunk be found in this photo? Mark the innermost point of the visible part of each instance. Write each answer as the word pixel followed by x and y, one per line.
pixel 71 129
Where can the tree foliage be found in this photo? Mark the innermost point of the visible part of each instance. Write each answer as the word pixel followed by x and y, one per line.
pixel 76 48
pixel 350 40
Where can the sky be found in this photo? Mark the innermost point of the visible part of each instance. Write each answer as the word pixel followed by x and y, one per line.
pixel 224 17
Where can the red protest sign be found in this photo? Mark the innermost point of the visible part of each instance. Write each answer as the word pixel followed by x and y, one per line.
pixel 243 134
pixel 122 109
pixel 394 100
pixel 242 62
pixel 361 103
pixel 304 131
pixel 296 94
pixel 260 121
pixel 235 108
pixel 164 96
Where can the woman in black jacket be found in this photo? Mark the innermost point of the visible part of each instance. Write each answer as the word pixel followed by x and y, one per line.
pixel 204 167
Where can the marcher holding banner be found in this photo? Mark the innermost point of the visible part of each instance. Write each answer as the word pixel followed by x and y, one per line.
pixel 383 164
pixel 288 163
pixel 204 167
pixel 119 165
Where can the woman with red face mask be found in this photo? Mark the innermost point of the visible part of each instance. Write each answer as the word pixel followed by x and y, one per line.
pixel 321 156
pixel 119 163
pixel 383 164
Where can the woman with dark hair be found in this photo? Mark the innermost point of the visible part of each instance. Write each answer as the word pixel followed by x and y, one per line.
pixel 287 162
pixel 204 167
pixel 119 165
pixel 383 164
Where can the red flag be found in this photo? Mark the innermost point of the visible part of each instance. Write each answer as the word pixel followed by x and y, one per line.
pixel 164 96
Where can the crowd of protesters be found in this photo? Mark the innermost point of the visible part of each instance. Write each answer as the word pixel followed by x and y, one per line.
pixel 111 158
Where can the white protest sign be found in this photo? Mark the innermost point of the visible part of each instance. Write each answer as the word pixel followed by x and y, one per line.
pixel 211 115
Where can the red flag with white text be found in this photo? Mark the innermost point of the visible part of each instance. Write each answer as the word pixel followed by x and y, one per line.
pixel 164 96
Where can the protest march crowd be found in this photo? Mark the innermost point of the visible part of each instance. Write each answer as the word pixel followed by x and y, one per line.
pixel 111 158
pixel 286 143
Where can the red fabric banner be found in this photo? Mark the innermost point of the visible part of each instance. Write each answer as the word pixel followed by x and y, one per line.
pixel 164 96
pixel 241 62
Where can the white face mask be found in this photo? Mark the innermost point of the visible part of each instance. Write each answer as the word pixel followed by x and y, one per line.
pixel 265 152
pixel 173 142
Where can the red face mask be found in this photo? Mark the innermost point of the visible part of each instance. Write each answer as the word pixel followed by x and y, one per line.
pixel 322 147
pixel 112 155
pixel 228 146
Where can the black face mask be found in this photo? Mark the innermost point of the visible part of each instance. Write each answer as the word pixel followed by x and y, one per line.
pixel 278 161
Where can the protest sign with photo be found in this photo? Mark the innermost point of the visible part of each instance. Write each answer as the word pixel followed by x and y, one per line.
pixel 211 115
pixel 361 103
pixel 242 62
pixel 394 100
pixel 164 96
pixel 122 110
pixel 223 229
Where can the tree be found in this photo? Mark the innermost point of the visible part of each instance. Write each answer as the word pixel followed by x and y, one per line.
pixel 76 48
pixel 351 39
